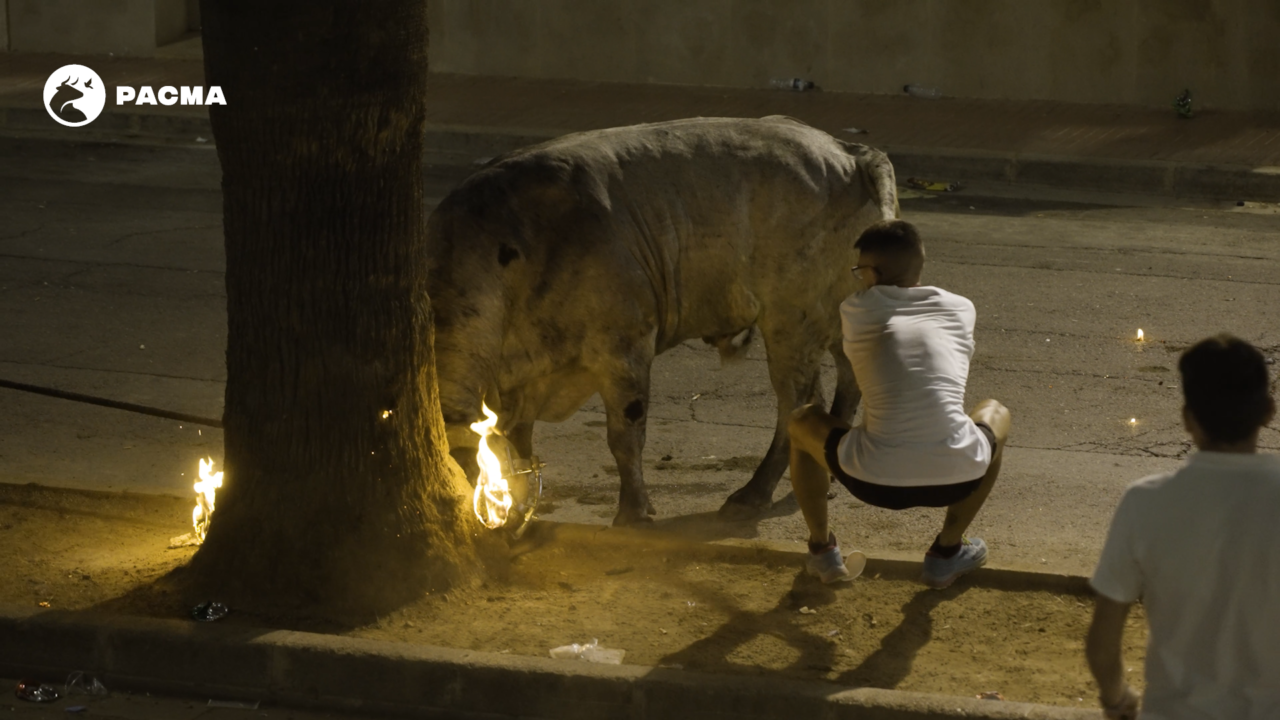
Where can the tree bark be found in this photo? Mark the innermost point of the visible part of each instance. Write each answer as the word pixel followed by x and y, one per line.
pixel 338 492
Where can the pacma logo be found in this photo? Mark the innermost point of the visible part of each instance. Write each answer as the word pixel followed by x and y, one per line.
pixel 169 95
pixel 74 95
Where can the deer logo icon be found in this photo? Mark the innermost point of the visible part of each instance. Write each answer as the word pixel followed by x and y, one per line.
pixel 74 95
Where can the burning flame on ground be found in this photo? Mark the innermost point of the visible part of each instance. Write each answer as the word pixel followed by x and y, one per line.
pixel 206 487
pixel 1139 334
pixel 493 496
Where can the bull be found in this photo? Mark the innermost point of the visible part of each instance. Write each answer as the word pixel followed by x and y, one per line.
pixel 561 270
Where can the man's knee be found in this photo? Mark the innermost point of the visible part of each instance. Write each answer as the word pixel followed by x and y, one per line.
pixel 809 425
pixel 995 415
pixel 805 418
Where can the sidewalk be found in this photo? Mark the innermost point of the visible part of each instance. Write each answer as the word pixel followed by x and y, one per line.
pixel 286 669
pixel 1218 155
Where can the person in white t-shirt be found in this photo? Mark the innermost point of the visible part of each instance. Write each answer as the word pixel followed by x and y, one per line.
pixel 910 346
pixel 1198 547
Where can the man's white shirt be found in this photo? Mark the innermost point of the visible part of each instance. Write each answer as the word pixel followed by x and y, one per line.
pixel 1200 547
pixel 910 349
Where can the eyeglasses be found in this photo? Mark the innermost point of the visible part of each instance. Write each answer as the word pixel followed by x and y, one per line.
pixel 857 271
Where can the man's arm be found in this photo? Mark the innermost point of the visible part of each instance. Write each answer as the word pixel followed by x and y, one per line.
pixel 1106 659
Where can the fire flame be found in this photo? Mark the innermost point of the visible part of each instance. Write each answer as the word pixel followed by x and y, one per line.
pixel 206 487
pixel 493 496
pixel 1139 334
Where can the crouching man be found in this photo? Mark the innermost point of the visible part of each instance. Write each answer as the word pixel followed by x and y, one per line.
pixel 1198 546
pixel 910 347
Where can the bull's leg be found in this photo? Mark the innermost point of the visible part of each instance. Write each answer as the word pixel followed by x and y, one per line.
pixel 626 404
pixel 521 437
pixel 793 371
pixel 848 394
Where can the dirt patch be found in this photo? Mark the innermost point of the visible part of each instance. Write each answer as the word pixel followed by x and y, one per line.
pixel 711 608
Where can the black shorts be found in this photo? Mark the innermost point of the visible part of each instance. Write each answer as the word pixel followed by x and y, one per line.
pixel 901 498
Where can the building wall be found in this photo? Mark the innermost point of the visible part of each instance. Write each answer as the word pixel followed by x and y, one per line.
pixel 122 27
pixel 1098 51
pixel 4 25
pixel 193 14
pixel 171 20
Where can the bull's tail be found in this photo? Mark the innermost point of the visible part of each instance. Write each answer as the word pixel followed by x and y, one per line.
pixel 877 175
pixel 732 347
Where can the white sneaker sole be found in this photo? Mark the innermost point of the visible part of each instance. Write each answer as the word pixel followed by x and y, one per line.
pixel 854 563
pixel 944 583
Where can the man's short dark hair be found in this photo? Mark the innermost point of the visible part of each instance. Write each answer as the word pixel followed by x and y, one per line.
pixel 1226 387
pixel 897 245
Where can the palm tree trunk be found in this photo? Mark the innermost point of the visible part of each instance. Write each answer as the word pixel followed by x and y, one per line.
pixel 338 491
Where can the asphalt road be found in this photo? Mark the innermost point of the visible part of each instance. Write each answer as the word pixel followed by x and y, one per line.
pixel 111 283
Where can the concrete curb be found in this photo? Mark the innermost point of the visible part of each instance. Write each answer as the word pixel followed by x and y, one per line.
pixel 462 145
pixel 110 127
pixel 312 670
pixel 901 567
pixel 1151 177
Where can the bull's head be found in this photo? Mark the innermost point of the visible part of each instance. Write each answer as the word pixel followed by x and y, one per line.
pixel 469 312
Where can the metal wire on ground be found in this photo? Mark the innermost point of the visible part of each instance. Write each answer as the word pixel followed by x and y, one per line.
pixel 116 404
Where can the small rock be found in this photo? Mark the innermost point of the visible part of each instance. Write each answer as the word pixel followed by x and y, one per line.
pixel 666 458
pixel 806 610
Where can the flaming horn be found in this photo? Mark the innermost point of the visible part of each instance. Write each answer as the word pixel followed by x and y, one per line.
pixel 504 484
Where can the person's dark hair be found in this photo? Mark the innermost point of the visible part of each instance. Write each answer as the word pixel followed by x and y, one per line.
pixel 898 250
pixel 1226 387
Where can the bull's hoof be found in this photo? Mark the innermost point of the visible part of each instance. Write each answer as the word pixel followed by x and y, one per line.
pixel 633 518
pixel 743 505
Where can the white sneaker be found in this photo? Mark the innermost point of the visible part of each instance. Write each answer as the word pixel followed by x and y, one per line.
pixel 940 572
pixel 830 567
